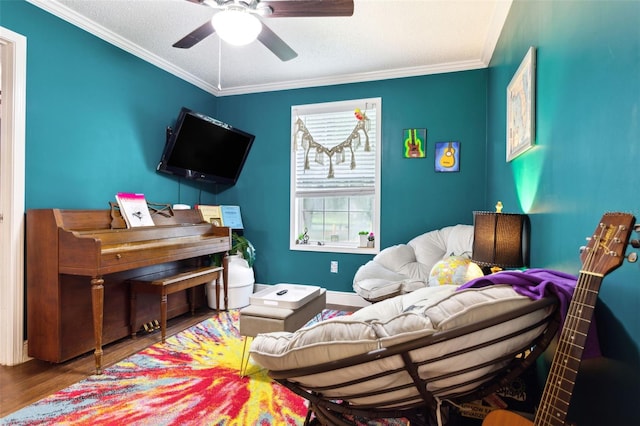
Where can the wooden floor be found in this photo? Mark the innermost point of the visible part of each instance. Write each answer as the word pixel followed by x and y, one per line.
pixel 26 383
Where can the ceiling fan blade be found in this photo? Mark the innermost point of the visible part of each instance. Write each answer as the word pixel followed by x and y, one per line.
pixel 309 8
pixel 276 44
pixel 195 36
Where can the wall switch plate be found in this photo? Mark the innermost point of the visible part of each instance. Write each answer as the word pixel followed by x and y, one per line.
pixel 334 266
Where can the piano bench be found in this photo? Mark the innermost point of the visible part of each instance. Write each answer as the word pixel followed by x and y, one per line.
pixel 169 282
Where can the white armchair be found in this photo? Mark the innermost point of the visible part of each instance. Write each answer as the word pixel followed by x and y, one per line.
pixel 404 268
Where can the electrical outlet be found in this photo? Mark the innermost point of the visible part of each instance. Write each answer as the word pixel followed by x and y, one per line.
pixel 334 266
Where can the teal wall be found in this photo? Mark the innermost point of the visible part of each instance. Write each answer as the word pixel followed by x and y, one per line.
pixel 95 115
pixel 415 198
pixel 585 163
pixel 96 118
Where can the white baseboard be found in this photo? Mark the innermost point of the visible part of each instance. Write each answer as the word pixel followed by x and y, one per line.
pixel 343 298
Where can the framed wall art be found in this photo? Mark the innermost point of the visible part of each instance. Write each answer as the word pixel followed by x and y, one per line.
pixel 447 156
pixel 521 102
pixel 414 143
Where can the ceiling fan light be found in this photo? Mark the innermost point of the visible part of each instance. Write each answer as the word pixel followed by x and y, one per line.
pixel 236 27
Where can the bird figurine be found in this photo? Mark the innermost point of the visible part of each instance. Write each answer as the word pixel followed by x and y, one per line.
pixel 359 114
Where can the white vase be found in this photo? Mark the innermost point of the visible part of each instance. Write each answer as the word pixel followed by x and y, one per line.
pixel 363 240
pixel 241 283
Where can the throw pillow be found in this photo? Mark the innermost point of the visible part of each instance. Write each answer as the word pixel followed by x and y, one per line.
pixel 455 270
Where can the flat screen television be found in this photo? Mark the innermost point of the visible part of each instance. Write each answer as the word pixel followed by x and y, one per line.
pixel 205 149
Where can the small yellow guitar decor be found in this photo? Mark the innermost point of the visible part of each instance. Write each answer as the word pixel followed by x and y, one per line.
pixel 448 159
pixel 447 156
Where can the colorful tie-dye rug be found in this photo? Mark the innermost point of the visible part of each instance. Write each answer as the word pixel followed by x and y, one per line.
pixel 192 379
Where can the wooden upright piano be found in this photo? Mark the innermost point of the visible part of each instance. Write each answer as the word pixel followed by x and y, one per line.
pixel 78 266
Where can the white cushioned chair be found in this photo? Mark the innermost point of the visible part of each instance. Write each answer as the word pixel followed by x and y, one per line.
pixel 400 356
pixel 404 268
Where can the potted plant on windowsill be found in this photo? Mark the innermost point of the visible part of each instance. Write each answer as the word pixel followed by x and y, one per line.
pixel 363 238
pixel 371 240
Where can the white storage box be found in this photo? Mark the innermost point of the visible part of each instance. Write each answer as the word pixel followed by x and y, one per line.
pixel 290 296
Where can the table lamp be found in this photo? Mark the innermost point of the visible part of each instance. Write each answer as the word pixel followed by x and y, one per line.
pixel 500 240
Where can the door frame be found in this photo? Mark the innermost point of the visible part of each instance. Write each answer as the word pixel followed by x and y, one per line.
pixel 13 48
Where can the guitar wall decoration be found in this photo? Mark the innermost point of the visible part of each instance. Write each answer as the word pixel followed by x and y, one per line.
pixel 447 159
pixel 603 254
pixel 414 143
pixel 447 156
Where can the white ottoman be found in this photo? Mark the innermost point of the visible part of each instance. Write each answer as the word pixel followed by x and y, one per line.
pixel 288 311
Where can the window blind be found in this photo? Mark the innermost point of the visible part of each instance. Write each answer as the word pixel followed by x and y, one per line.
pixel 330 129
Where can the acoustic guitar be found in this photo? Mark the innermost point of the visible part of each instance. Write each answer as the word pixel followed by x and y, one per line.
pixel 604 253
pixel 448 159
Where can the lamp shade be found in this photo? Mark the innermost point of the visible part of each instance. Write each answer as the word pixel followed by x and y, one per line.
pixel 500 239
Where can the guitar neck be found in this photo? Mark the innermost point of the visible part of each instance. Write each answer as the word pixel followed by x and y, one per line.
pixel 566 360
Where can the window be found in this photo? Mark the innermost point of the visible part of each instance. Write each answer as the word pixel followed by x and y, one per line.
pixel 335 175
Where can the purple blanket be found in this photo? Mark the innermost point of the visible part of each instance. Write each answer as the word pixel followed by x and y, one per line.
pixel 535 284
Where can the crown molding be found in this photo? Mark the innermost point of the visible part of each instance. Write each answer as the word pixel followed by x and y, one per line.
pixel 69 15
pixel 355 78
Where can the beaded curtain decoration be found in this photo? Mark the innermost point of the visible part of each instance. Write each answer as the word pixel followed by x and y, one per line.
pixel 351 143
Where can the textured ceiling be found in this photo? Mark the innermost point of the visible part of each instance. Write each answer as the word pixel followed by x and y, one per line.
pixel 383 39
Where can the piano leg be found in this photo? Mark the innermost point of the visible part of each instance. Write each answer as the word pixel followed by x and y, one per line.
pixel 97 301
pixel 133 307
pixel 163 314
pixel 218 296
pixel 225 281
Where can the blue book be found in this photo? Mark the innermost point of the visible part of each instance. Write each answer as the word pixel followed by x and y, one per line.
pixel 231 217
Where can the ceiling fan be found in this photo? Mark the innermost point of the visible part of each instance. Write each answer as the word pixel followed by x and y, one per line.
pixel 241 17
